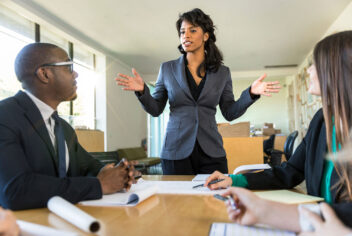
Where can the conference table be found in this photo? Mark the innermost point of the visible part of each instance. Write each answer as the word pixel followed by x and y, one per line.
pixel 158 215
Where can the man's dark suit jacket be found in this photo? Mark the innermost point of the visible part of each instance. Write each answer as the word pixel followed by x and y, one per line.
pixel 28 163
pixel 307 163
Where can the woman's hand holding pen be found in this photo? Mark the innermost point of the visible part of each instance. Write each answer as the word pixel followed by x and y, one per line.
pixel 217 175
pixel 259 87
pixel 135 83
pixel 249 206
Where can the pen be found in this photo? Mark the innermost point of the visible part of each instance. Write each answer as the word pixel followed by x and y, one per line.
pixel 137 177
pixel 229 200
pixel 211 182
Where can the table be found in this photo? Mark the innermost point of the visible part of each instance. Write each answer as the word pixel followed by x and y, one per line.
pixel 158 215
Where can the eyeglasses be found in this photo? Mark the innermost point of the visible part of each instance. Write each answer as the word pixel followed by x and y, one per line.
pixel 64 63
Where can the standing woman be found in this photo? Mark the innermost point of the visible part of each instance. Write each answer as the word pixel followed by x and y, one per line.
pixel 195 84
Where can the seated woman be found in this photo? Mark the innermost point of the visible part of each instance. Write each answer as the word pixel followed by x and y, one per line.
pixel 330 77
pixel 8 226
pixel 254 210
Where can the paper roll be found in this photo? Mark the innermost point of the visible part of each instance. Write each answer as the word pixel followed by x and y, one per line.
pixel 73 214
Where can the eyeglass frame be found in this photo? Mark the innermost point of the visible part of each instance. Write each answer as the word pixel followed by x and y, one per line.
pixel 62 63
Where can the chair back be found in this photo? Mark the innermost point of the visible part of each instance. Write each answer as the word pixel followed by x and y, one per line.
pixel 268 144
pixel 289 143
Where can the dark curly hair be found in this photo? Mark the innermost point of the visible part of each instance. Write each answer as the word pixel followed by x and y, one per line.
pixel 213 57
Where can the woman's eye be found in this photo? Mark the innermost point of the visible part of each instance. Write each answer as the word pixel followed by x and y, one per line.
pixel 193 31
pixel 182 32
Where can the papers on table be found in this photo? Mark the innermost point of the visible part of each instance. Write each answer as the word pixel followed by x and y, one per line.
pixel 138 192
pixel 227 229
pixel 286 196
pixel 183 187
pixel 202 177
pixel 30 229
pixel 144 189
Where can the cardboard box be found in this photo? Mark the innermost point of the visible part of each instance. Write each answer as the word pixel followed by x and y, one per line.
pixel 268 125
pixel 222 124
pixel 268 131
pixel 236 130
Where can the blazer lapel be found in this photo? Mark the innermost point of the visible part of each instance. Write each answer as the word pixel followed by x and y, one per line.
pixel 34 116
pixel 179 72
pixel 208 85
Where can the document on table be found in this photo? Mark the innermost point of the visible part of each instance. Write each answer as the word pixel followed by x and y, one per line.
pixel 287 196
pixel 202 177
pixel 30 229
pixel 138 193
pixel 230 229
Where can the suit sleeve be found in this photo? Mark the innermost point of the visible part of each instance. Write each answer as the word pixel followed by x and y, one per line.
pixel 230 108
pixel 21 188
pixel 154 104
pixel 286 176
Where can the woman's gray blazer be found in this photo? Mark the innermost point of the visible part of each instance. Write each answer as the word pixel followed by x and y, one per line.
pixel 190 119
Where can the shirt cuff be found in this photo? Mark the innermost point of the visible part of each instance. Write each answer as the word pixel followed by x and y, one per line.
pixel 139 94
pixel 239 181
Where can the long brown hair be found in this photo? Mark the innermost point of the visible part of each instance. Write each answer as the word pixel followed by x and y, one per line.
pixel 333 60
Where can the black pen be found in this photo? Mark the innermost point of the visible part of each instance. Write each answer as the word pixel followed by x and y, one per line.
pixel 211 182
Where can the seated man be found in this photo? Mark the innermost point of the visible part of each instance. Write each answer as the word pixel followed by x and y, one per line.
pixel 40 156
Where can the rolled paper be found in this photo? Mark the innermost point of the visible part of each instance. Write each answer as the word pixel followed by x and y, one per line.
pixel 73 214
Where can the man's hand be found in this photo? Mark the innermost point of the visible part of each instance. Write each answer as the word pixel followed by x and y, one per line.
pixel 115 178
pixel 8 225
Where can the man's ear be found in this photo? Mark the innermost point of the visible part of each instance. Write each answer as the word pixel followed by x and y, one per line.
pixel 43 74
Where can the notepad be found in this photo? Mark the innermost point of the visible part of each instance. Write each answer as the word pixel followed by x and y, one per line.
pixel 250 168
pixel 286 196
pixel 138 193
pixel 231 229
pixel 30 229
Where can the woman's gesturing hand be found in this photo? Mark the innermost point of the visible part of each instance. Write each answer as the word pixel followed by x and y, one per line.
pixel 259 87
pixel 135 83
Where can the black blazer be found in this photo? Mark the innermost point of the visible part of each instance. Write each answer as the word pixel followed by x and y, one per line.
pixel 307 163
pixel 28 163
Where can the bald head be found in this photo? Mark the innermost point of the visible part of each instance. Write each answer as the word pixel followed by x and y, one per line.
pixel 30 58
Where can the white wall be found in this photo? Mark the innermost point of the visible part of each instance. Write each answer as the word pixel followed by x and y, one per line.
pixel 126 121
pixel 266 109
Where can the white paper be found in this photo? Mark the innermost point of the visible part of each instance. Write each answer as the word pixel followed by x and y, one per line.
pixel 202 177
pixel 183 187
pixel 250 168
pixel 73 214
pixel 138 192
pixel 30 229
pixel 227 229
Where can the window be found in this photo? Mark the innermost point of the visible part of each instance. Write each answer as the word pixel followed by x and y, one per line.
pixel 156 130
pixel 15 33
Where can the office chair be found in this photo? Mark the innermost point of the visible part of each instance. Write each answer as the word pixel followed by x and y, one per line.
pixel 268 146
pixel 275 155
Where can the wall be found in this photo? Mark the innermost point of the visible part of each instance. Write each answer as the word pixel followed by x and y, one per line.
pixel 343 22
pixel 125 119
pixel 266 109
